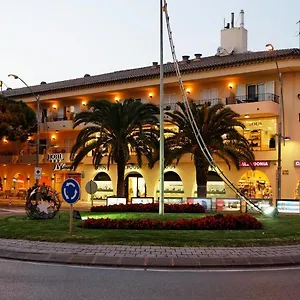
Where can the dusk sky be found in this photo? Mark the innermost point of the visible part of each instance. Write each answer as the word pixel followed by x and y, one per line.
pixel 65 39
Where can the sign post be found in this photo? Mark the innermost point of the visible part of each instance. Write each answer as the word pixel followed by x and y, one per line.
pixel 70 191
pixel 91 188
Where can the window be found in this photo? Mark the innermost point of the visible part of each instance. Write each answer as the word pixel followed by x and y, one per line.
pixel 256 92
pixel 170 101
pixel 209 96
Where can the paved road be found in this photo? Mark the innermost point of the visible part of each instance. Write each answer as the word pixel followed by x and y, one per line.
pixel 11 211
pixel 27 281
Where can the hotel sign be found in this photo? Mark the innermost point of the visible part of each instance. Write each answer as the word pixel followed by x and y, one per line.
pixel 256 163
pixel 297 163
pixel 58 158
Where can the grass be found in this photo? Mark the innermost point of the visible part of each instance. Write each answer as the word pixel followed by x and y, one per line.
pixel 278 231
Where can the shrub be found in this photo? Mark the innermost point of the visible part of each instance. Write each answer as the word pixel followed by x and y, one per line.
pixel 150 207
pixel 220 222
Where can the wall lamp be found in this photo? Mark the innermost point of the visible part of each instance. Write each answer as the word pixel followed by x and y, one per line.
pixel 188 91
pixel 151 95
pixel 4 178
pixel 54 106
pixel 83 103
pixel 230 85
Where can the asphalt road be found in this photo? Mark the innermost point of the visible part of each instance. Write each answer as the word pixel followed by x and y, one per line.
pixel 22 280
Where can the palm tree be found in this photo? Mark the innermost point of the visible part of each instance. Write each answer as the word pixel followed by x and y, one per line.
pixel 218 126
pixel 113 130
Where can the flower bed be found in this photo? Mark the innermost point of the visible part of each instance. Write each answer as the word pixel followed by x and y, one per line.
pixel 150 207
pixel 217 222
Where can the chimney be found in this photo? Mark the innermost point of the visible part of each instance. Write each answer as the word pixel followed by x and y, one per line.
pixel 198 56
pixel 242 15
pixel 185 58
pixel 234 39
pixel 154 65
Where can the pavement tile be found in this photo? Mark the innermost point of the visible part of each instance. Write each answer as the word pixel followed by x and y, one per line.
pixel 4 253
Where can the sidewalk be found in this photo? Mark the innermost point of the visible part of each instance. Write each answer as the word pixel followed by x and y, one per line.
pixel 150 256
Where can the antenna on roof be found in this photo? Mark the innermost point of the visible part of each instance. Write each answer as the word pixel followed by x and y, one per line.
pixel 299 32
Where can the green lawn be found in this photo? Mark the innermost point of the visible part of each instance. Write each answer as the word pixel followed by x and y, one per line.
pixel 282 230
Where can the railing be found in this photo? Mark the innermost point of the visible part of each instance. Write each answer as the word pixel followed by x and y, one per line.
pixel 170 106
pixel 252 98
pixel 209 102
pixel 56 118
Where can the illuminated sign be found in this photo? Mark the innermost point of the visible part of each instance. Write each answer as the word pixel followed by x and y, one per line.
pixel 256 163
pixel 228 204
pixel 115 201
pixel 61 166
pixel 288 206
pixel 55 157
pixel 206 203
pixel 296 163
pixel 145 200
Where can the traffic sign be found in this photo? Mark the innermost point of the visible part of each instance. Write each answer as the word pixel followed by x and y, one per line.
pixel 70 191
pixel 91 187
pixel 37 173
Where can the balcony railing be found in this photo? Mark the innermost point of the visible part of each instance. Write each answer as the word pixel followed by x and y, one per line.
pixel 170 106
pixel 252 98
pixel 56 118
pixel 209 102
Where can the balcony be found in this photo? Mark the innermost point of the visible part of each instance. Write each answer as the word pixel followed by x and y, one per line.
pixel 252 98
pixel 260 104
pixel 58 122
pixel 209 102
pixel 8 158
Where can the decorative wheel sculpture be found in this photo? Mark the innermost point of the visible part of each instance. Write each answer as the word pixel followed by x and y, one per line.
pixel 42 202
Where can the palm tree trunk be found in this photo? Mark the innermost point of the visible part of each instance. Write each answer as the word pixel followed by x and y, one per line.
pixel 121 179
pixel 201 166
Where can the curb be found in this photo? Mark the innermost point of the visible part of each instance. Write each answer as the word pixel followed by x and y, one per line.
pixel 152 262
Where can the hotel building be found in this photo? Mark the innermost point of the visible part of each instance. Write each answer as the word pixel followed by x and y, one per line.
pixel 246 81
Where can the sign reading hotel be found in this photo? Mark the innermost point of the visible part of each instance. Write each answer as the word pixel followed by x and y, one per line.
pixel 57 158
pixel 256 163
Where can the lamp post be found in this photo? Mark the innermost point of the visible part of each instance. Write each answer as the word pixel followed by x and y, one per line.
pixel 161 118
pixel 279 131
pixel 37 98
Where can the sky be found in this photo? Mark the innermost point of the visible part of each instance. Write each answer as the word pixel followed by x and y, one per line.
pixel 56 40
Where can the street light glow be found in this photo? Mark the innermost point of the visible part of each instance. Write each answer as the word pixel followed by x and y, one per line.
pixel 14 76
pixel 269 47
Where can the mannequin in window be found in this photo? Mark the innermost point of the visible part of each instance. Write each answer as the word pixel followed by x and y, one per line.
pixel 272 142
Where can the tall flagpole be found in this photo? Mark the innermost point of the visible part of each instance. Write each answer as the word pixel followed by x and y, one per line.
pixel 161 117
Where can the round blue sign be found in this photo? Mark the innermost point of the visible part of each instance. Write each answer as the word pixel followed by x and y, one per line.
pixel 70 191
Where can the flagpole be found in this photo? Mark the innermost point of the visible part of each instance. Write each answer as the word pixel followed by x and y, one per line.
pixel 161 117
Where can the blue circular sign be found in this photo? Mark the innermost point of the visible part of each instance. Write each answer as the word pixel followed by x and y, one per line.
pixel 70 191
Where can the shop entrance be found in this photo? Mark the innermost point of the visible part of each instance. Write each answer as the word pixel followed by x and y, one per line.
pixel 135 186
pixel 255 184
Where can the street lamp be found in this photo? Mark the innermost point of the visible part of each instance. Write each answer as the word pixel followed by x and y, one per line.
pixel 270 47
pixel 37 97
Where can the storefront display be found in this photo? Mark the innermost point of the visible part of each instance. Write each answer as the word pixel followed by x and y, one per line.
pixel 228 204
pixel 135 186
pixel 255 184
pixel 172 200
pixel 205 202
pixel 104 185
pixel 260 133
pixel 173 187
pixel 115 201
pixel 261 203
pixel 288 206
pixel 144 200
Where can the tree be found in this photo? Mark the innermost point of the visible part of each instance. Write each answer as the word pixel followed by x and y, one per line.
pixel 113 129
pixel 218 126
pixel 17 120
